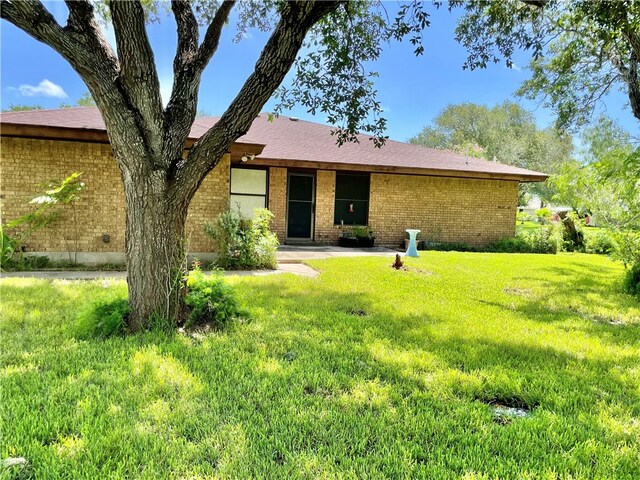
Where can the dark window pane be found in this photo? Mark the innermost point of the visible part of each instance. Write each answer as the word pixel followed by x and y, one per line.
pixel 299 220
pixel 352 193
pixel 300 187
pixel 355 187
pixel 357 217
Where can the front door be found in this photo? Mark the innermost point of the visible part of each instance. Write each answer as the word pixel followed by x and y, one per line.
pixel 300 205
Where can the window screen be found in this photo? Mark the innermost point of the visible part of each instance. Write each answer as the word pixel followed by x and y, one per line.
pixel 352 199
pixel 248 190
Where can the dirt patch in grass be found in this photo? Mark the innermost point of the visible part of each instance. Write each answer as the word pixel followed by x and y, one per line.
pixel 522 292
pixel 358 312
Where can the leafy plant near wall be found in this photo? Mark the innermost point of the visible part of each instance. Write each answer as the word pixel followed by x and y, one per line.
pixel 244 243
pixel 57 202
pixel 8 247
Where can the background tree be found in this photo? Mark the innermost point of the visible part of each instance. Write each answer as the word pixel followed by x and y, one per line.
pixel 581 49
pixel 607 183
pixel 148 139
pixel 507 133
pixel 85 100
pixel 22 108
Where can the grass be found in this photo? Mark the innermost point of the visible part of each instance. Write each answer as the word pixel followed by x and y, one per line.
pixel 365 372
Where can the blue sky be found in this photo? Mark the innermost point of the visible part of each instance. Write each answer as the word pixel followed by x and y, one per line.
pixel 411 89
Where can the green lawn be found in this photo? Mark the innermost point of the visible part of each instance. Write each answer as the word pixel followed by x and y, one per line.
pixel 365 372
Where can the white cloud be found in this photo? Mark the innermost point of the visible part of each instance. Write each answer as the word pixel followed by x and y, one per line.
pixel 515 67
pixel 44 89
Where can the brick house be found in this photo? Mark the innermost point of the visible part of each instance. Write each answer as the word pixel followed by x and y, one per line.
pixel 290 166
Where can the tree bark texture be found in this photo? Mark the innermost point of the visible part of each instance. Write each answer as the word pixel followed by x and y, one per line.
pixel 147 140
pixel 155 251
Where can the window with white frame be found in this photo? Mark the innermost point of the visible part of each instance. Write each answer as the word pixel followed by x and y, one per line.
pixel 248 190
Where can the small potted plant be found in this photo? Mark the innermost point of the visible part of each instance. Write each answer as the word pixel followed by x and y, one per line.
pixel 365 237
pixel 347 238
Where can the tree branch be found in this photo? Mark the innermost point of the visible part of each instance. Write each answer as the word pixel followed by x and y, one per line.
pixel 80 14
pixel 138 79
pixel 212 36
pixel 187 33
pixel 189 63
pixel 275 61
pixel 81 43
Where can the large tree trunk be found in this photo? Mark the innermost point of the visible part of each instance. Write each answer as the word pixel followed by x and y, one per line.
pixel 148 141
pixel 155 250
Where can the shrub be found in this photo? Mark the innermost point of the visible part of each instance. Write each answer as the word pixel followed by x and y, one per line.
pixel 450 247
pixel 210 301
pixel 631 283
pixel 600 243
pixel 510 245
pixel 546 239
pixel 244 243
pixel 104 318
pixel 627 247
pixel 543 215
pixel 362 232
pixel 521 217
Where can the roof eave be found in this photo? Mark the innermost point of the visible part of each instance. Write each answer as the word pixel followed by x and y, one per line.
pixel 237 149
pixel 433 172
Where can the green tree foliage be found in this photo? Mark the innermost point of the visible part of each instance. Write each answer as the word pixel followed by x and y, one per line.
pixel 21 108
pixel 581 50
pixel 607 183
pixel 506 133
pixel 607 186
pixel 85 100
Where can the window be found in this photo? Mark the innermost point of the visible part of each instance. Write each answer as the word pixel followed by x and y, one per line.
pixel 248 190
pixel 352 199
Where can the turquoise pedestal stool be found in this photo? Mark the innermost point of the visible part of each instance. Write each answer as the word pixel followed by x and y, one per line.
pixel 412 250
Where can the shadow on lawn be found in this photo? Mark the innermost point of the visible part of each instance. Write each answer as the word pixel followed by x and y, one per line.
pixel 308 351
pixel 573 290
pixel 497 365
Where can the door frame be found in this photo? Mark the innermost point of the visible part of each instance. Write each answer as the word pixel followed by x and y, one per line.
pixel 311 174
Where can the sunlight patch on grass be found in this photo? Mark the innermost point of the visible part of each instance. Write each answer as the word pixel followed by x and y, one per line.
pixel 163 374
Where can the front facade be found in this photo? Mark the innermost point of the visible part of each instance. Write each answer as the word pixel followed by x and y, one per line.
pixel 312 201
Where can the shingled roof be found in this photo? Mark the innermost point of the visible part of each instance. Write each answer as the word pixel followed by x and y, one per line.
pixel 286 141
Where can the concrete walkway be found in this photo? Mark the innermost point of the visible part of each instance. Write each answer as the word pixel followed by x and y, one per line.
pixel 295 253
pixel 290 258
pixel 295 268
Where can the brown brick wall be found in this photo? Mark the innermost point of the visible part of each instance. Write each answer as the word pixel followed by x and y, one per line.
pixel 278 200
pixel 325 232
pixel 445 209
pixel 27 163
pixel 211 199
